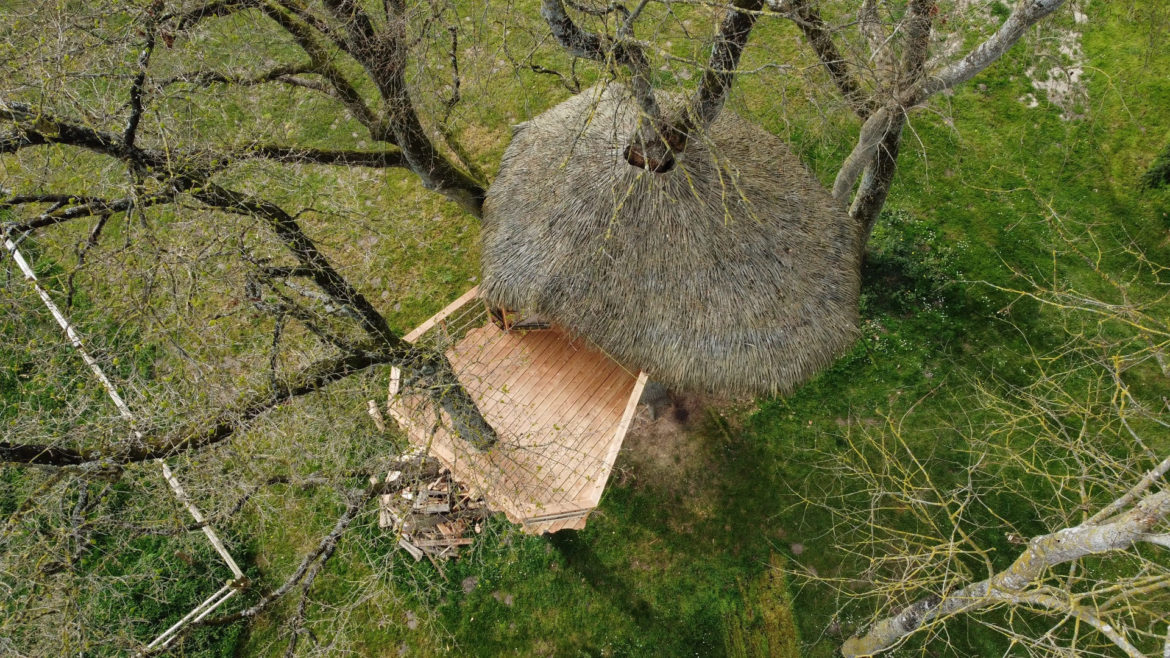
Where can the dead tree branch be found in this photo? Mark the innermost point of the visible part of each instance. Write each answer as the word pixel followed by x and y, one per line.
pixel 310 564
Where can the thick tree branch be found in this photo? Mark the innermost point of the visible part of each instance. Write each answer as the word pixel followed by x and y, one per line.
pixel 214 9
pixel 321 63
pixel 341 157
pixel 725 53
pixel 878 177
pixel 1024 16
pixel 432 372
pixel 208 78
pixel 658 155
pixel 876 151
pixel 883 162
pixel 917 26
pixel 306 252
pixel 808 18
pixel 1148 480
pixel 318 23
pixel 87 208
pixel 873 133
pixel 36 128
pixel 1010 585
pixel 384 56
pixel 583 43
pixel 208 431
pixel 138 84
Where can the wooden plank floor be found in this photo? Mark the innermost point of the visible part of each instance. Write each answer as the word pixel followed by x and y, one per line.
pixel 555 403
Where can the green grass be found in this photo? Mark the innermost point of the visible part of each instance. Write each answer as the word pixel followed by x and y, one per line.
pixel 687 565
pixel 686 556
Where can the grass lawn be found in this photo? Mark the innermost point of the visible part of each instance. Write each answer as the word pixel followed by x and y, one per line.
pixel 687 554
pixel 697 544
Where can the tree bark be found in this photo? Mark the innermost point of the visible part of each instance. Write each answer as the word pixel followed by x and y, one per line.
pixel 875 154
pixel 808 18
pixel 878 178
pixel 1009 585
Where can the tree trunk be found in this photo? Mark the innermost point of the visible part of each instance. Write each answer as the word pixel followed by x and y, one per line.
pixel 877 179
pixel 433 376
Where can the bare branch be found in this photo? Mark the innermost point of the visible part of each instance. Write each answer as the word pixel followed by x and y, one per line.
pixel 38 128
pixel 917 25
pixel 877 147
pixel 1154 475
pixel 205 432
pixel 626 52
pixel 1162 540
pixel 317 23
pixel 139 82
pixel 322 64
pixel 312 562
pixel 881 160
pixel 1051 599
pixel 208 78
pixel 1024 16
pixel 808 18
pixel 878 38
pixel 383 55
pixel 725 53
pixel 311 258
pixel 340 157
pixel 1009 585
pixel 91 207
pixel 213 9
pixel 430 372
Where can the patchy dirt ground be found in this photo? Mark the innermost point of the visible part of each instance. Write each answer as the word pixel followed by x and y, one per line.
pixel 1057 75
pixel 1061 70
pixel 665 447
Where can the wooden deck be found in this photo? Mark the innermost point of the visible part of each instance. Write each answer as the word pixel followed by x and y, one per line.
pixel 560 407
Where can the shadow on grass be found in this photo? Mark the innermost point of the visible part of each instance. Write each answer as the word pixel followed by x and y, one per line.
pixel 580 557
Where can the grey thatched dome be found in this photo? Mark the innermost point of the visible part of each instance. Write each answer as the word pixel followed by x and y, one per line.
pixel 734 272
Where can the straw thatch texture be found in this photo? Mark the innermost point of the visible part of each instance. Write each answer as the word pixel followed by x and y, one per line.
pixel 734 272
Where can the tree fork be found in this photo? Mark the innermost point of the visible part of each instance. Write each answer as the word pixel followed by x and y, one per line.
pixel 438 376
pixel 659 155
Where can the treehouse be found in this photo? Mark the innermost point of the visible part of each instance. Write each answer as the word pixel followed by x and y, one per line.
pixel 559 406
pixel 733 272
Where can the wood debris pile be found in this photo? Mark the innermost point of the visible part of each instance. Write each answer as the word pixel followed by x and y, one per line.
pixel 432 513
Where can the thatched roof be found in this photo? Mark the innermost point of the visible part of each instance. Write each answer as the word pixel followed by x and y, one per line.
pixel 734 272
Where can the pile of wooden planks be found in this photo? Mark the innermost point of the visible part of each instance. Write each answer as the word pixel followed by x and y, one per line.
pixel 431 512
